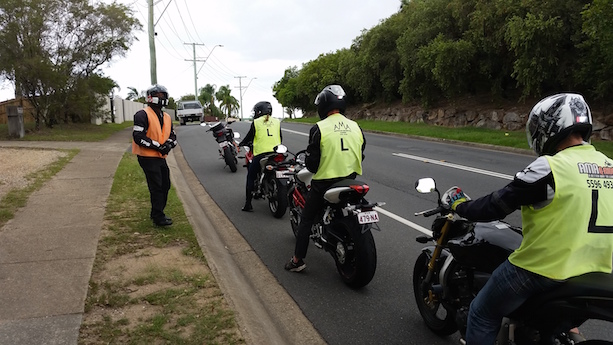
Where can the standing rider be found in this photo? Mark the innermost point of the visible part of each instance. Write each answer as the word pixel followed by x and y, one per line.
pixel 153 138
pixel 264 134
pixel 566 201
pixel 335 152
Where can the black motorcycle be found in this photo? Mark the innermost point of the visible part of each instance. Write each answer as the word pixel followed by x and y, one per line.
pixel 343 228
pixel 226 138
pixel 273 178
pixel 448 275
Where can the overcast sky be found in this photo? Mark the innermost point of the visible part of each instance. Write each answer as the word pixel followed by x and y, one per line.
pixel 260 38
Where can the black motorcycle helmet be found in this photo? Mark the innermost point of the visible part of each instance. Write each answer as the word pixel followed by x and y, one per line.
pixel 330 98
pixel 262 108
pixel 154 98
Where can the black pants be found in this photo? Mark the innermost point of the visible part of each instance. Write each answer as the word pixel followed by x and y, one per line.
pixel 253 170
pixel 158 180
pixel 312 208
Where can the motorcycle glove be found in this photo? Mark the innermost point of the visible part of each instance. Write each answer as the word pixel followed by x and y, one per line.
pixel 454 196
pixel 164 149
pixel 171 143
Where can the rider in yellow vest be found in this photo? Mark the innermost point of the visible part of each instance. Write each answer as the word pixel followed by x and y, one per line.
pixel 264 134
pixel 153 138
pixel 335 152
pixel 566 201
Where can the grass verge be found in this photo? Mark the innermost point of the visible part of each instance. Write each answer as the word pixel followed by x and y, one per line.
pixel 17 198
pixel 67 132
pixel 151 285
pixel 514 139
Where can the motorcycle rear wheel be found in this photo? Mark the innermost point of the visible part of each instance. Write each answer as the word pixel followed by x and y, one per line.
pixel 437 318
pixel 356 255
pixel 230 159
pixel 277 199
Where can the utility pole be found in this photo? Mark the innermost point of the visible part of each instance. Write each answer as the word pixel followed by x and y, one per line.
pixel 151 26
pixel 195 73
pixel 154 78
pixel 240 93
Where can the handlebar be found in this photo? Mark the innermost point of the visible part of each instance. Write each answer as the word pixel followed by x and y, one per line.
pixel 428 213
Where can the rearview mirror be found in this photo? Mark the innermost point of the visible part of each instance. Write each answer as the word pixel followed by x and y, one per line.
pixel 425 185
pixel 280 148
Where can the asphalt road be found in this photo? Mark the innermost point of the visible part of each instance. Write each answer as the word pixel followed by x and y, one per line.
pixel 384 311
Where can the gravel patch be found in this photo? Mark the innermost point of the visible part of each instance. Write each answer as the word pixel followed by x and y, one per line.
pixel 17 164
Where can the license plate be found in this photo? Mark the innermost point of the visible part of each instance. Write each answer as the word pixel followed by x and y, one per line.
pixel 368 217
pixel 282 173
pixel 224 144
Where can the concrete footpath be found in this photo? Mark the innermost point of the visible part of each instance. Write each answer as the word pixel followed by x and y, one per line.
pixel 47 253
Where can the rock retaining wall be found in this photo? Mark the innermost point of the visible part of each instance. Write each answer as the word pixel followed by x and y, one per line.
pixel 511 119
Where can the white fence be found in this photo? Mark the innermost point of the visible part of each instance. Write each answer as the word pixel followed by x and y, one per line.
pixel 123 110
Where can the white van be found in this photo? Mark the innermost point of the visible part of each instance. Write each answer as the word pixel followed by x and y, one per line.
pixel 190 111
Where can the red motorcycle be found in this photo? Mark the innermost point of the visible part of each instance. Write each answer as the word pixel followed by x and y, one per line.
pixel 343 228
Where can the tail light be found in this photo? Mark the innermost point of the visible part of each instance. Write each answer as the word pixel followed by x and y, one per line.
pixel 279 158
pixel 362 189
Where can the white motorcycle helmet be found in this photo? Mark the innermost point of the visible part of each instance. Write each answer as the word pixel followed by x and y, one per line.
pixel 554 118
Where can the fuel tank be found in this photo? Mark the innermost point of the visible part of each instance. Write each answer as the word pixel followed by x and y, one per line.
pixel 486 246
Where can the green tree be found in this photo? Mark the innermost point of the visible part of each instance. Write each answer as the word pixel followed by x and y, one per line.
pixel 285 91
pixel 133 94
pixel 207 98
pixel 53 52
pixel 596 73
pixel 227 102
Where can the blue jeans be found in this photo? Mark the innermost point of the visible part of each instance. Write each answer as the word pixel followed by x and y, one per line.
pixel 507 289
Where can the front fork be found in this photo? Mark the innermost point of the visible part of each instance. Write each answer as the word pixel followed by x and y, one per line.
pixel 440 244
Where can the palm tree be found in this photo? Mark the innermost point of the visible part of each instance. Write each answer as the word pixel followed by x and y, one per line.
pixel 133 94
pixel 207 98
pixel 227 102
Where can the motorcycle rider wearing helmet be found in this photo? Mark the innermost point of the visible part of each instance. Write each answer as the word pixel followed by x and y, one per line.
pixel 264 134
pixel 334 153
pixel 153 138
pixel 566 202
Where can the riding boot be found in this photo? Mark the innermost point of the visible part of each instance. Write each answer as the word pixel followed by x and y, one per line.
pixel 248 196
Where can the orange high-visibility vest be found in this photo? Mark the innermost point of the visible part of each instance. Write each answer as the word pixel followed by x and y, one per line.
pixel 154 132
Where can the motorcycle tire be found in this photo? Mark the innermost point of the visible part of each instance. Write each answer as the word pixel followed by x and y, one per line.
pixel 437 318
pixel 355 255
pixel 229 158
pixel 277 199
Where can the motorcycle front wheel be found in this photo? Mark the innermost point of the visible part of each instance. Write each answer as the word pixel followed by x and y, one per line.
pixel 277 198
pixel 355 255
pixel 437 318
pixel 229 158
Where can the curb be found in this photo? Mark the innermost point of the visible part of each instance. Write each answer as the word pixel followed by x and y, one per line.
pixel 266 313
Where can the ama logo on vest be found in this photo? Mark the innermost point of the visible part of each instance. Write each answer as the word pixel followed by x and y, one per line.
pixel 342 127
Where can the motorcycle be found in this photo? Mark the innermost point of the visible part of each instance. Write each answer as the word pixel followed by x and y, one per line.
pixel 227 140
pixel 273 179
pixel 343 228
pixel 448 275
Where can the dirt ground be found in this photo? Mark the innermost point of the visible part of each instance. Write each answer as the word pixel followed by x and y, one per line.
pixel 17 164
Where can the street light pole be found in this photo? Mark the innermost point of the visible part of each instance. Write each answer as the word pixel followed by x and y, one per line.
pixel 196 60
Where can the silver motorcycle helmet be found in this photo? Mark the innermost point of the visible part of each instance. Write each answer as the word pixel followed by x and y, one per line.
pixel 554 118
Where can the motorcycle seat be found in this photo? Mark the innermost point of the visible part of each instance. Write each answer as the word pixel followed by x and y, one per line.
pixel 345 190
pixel 589 286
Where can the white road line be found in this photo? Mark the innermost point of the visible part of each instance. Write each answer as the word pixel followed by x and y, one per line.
pixel 404 221
pixel 295 132
pixel 457 166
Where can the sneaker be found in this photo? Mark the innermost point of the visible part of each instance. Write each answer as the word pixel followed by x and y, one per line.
pixel 295 266
pixel 247 207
